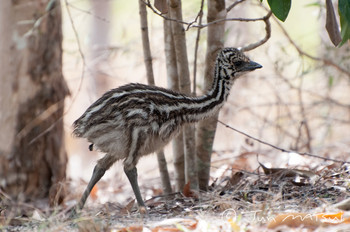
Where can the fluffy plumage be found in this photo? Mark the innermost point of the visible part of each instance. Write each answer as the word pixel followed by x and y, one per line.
pixel 135 119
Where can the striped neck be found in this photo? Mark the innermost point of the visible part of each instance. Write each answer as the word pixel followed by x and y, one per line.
pixel 207 105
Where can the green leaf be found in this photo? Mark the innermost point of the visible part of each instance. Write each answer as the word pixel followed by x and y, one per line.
pixel 344 13
pixel 313 4
pixel 332 24
pixel 344 9
pixel 330 81
pixel 280 8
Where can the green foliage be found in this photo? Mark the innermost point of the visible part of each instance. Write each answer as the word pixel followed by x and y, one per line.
pixel 344 13
pixel 330 81
pixel 280 8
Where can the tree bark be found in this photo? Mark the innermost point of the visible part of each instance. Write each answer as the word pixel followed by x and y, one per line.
pixel 206 129
pixel 185 87
pixel 32 152
pixel 163 169
pixel 173 83
pixel 98 45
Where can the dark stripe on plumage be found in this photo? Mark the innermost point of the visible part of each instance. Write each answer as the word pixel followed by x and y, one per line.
pixel 108 113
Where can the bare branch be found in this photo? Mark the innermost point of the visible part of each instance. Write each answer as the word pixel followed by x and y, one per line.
pixel 303 53
pixel 199 25
pixel 89 13
pixel 200 15
pixel 231 19
pixel 282 149
pixel 304 122
pixel 267 35
pixel 80 52
pixel 149 5
pixel 233 5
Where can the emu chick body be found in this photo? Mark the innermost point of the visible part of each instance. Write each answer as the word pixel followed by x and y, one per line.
pixel 135 120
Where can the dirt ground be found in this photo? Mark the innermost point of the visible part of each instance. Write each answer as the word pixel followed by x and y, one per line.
pixel 236 201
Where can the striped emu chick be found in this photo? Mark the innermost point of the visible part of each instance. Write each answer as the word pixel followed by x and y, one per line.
pixel 135 120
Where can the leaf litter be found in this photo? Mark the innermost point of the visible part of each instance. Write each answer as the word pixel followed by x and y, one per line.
pixel 237 200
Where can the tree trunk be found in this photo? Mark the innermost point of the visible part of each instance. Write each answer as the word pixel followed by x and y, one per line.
pixel 185 87
pixel 173 83
pixel 32 91
pixel 98 46
pixel 206 129
pixel 163 169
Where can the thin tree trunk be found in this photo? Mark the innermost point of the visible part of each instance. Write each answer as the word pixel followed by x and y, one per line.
pixel 185 87
pixel 32 152
pixel 98 44
pixel 164 174
pixel 206 129
pixel 173 83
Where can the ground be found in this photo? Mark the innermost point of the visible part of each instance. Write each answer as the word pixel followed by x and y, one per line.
pixel 236 201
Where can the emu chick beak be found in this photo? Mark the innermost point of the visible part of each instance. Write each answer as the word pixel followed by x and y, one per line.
pixel 252 66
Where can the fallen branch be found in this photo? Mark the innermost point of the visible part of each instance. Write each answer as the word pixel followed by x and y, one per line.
pixel 282 149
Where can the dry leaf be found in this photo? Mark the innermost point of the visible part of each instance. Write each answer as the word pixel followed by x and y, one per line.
pixel 192 225
pixel 308 220
pixel 164 229
pixel 176 225
pixel 288 172
pixel 187 190
pixel 128 207
pixel 344 205
pixel 90 225
pixel 37 216
pixel 334 217
pixel 236 178
pixel 295 220
pixel 234 225
pixel 242 160
pixel 132 229
pixel 93 193
pixel 57 193
pixel 332 24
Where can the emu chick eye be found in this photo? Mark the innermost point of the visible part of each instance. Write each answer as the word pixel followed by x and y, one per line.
pixel 238 63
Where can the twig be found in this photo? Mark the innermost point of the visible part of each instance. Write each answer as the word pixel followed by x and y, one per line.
pixel 233 5
pixel 80 52
pixel 80 83
pixel 304 123
pixel 231 19
pixel 39 119
pixel 193 25
pixel 200 16
pixel 282 149
pixel 303 53
pixel 89 13
pixel 78 43
pixel 149 5
pixel 267 35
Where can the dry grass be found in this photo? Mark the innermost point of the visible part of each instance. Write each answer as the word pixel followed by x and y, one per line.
pixel 243 200
pixel 294 102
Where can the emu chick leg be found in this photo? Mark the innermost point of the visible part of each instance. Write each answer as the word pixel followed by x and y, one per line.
pixel 96 176
pixel 132 176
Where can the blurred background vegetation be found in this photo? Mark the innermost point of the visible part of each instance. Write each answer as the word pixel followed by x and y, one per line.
pixel 298 101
